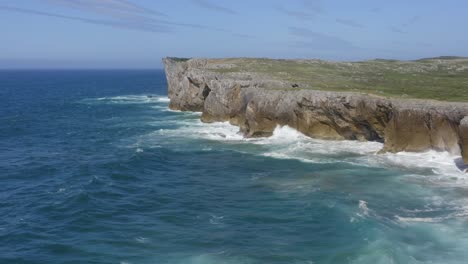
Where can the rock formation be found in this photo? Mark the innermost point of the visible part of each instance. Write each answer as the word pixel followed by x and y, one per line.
pixel 257 104
pixel 463 132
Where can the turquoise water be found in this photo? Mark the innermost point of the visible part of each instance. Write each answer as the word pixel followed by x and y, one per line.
pixel 93 170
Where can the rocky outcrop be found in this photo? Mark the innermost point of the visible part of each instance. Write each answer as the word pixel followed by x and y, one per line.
pixel 416 130
pixel 463 132
pixel 187 91
pixel 258 104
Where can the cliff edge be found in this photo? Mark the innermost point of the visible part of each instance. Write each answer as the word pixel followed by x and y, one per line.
pixel 330 100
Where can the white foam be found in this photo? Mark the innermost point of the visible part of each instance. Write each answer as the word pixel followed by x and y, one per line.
pixel 439 162
pixel 129 99
pixel 365 212
pixel 434 167
pixel 283 134
pixel 159 107
pixel 294 145
pixel 363 207
pixel 221 131
pixel 460 214
pixel 216 220
pixel 142 240
pixel 164 99
pixel 286 134
pixel 420 219
pixel 288 143
pixel 440 210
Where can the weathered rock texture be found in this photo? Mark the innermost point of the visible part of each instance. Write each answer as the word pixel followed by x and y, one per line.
pixel 463 132
pixel 257 104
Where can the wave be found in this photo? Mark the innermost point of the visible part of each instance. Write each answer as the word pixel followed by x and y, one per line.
pixel 420 219
pixel 288 143
pixel 184 131
pixel 460 214
pixel 294 145
pixel 164 99
pixel 439 210
pixel 221 131
pixel 142 240
pixel 128 99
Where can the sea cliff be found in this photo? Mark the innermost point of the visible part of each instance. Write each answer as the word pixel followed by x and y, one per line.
pixel 258 101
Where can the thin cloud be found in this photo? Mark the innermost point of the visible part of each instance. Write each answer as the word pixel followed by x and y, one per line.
pixel 108 6
pixel 144 24
pixel 313 6
pixel 350 23
pixel 214 7
pixel 114 9
pixel 310 9
pixel 118 24
pixel 411 21
pixel 316 40
pixel 124 10
pixel 296 14
pixel 119 14
pixel 375 10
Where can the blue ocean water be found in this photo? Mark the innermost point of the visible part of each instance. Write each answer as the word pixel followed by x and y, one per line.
pixel 94 168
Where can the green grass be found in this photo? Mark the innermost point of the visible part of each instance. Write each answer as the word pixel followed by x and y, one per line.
pixel 442 78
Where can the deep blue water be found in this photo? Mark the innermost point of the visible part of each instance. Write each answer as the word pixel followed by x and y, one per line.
pixel 95 169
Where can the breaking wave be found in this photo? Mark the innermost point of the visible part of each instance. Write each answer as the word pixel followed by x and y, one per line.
pixel 128 99
pixel 438 169
pixel 288 143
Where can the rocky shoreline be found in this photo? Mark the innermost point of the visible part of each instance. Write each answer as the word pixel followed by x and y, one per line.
pixel 258 104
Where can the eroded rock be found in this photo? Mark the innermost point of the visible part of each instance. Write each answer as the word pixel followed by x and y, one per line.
pixel 416 131
pixel 463 132
pixel 258 105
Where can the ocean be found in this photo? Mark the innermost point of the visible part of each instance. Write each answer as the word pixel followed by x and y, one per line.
pixel 95 168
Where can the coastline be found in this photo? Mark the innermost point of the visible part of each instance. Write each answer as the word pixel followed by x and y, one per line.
pixel 258 104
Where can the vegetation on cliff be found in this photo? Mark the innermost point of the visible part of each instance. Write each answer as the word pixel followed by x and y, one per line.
pixel 441 78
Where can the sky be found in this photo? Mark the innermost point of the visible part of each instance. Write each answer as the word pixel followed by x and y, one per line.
pixel 139 33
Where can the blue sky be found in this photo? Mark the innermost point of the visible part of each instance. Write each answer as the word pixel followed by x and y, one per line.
pixel 138 33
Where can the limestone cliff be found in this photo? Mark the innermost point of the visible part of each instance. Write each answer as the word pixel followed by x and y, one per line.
pixel 257 103
pixel 463 132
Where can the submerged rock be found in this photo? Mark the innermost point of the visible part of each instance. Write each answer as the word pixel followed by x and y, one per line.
pixel 258 104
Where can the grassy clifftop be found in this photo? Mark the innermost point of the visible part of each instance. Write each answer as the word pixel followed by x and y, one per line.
pixel 442 78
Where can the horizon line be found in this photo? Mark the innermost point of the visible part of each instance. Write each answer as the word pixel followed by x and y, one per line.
pixel 74 69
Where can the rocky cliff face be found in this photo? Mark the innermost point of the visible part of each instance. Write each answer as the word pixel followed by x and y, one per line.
pixel 257 104
pixel 463 132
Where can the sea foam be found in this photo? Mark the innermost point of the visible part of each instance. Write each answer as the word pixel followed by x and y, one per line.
pixel 128 99
pixel 288 143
